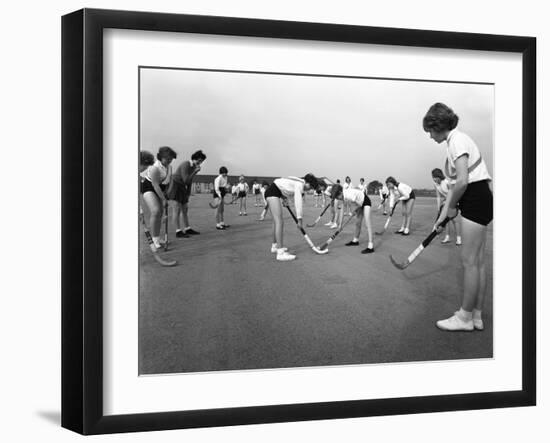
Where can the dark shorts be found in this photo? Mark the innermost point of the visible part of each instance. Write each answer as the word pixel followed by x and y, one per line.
pixel 147 186
pixel 223 191
pixel 366 201
pixel 242 194
pixel 256 191
pixel 411 197
pixel 273 191
pixel 476 204
pixel 180 193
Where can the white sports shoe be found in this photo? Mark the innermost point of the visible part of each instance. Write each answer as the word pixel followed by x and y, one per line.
pixel 333 226
pixel 284 256
pixel 478 322
pixel 274 249
pixel 455 323
pixel 458 241
pixel 328 224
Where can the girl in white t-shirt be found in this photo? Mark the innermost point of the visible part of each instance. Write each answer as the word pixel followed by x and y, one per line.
pixel 282 189
pixel 256 191
pixel 220 188
pixel 242 192
pixel 155 180
pixel 470 192
pixel 361 204
pixel 442 186
pixel 406 196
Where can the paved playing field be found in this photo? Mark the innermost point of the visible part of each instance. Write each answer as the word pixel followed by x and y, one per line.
pixel 230 305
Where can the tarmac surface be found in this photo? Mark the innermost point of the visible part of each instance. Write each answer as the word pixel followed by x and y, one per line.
pixel 229 305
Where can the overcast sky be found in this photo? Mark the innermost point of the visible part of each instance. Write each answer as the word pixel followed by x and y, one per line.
pixel 278 125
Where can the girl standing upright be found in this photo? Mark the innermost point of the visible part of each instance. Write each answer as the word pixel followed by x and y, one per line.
pixel 407 197
pixel 469 192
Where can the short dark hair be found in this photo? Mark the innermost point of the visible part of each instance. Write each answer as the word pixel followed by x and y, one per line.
pixel 361 179
pixel 391 180
pixel 348 178
pixel 440 118
pixel 223 170
pixel 166 152
pixel 146 158
pixel 198 155
pixel 264 183
pixel 438 173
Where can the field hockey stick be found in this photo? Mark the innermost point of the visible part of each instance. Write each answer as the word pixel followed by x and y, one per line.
pixel 420 248
pixel 333 236
pixel 308 240
pixel 152 244
pixel 320 215
pixel 387 221
pixel 166 226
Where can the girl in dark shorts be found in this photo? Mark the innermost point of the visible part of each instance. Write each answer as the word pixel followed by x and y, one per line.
pixel 282 189
pixel 220 185
pixel 407 197
pixel 358 201
pixel 154 181
pixel 242 192
pixel 470 193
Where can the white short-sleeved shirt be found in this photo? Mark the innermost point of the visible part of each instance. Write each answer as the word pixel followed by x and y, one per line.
pixel 404 190
pixel 292 187
pixel 362 187
pixel 242 187
pixel 458 144
pixel 255 186
pixel 443 187
pixel 220 182
pixel 347 185
pixel 165 172
pixel 354 196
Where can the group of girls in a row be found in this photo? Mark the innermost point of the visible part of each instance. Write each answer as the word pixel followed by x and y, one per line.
pixel 466 188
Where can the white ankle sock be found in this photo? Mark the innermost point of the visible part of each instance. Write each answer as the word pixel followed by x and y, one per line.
pixel 464 315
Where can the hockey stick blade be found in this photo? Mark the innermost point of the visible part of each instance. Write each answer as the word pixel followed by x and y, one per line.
pixel 319 250
pixel 162 262
pixel 399 266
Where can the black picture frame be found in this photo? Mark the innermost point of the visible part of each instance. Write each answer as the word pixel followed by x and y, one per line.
pixel 82 218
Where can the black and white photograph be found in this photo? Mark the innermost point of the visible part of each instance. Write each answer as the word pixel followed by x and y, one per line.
pixel 292 220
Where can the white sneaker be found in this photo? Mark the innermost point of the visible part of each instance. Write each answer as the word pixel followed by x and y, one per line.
pixel 478 322
pixel 458 241
pixel 274 249
pixel 455 323
pixel 328 224
pixel 284 255
pixel 445 240
pixel 333 226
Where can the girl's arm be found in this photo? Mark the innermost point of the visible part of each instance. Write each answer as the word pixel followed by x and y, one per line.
pixel 154 174
pixel 217 187
pixel 298 204
pixel 437 197
pixel 461 184
pixel 340 217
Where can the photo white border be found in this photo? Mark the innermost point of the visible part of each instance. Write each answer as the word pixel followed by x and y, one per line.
pixel 126 393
